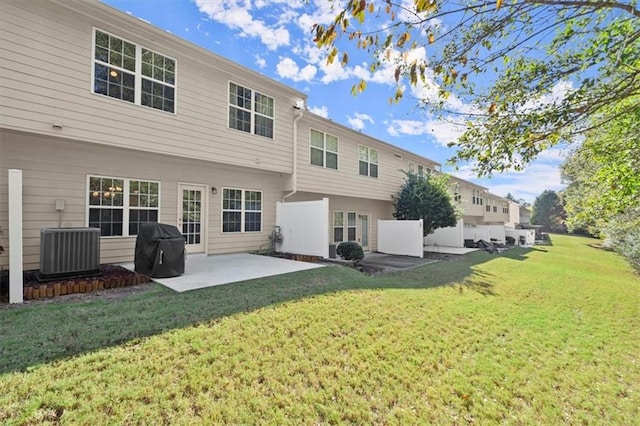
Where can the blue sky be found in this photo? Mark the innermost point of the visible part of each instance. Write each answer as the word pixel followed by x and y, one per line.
pixel 274 38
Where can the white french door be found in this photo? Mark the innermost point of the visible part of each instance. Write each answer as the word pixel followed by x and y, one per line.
pixel 191 215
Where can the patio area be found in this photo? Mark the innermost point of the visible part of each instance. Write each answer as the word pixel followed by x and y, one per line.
pixel 206 271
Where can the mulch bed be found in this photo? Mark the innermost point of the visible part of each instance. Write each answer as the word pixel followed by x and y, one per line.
pixel 111 277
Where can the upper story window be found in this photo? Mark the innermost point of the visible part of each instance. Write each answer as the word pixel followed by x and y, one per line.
pixel 456 193
pixel 250 111
pixel 412 167
pixel 126 71
pixel 324 149
pixel 476 198
pixel 368 164
pixel 420 171
pixel 118 205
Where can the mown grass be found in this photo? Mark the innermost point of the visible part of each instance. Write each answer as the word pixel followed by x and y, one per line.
pixel 545 336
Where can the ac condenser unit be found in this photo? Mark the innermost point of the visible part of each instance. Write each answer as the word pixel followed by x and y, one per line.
pixel 69 252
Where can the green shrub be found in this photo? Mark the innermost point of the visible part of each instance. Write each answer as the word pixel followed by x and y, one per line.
pixel 622 235
pixel 350 251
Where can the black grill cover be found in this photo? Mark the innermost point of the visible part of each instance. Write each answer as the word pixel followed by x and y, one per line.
pixel 159 250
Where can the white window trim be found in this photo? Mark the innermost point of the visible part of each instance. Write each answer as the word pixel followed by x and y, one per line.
pixel 242 211
pixel 253 112
pixel 369 162
pixel 324 150
pixel 333 226
pixel 125 202
pixel 347 226
pixel 137 74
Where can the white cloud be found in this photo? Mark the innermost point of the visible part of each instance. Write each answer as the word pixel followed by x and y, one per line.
pixel 442 131
pixel 358 120
pixel 558 92
pixel 260 62
pixel 287 68
pixel 322 111
pixel 236 15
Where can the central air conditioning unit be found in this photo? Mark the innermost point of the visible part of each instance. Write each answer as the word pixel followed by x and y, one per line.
pixel 69 252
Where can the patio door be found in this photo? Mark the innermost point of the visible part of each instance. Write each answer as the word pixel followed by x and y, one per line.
pixel 191 215
pixel 364 231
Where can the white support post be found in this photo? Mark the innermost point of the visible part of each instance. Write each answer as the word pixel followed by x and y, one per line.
pixel 15 236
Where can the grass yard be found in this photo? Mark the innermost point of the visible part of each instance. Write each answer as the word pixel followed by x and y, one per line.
pixel 547 335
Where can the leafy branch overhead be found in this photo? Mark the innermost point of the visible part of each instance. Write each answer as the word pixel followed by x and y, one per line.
pixel 527 75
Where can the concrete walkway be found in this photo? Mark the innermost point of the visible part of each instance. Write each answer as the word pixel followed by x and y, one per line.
pixel 206 271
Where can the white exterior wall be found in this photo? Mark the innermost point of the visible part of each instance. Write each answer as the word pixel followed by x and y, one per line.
pixel 401 237
pixel 452 236
pixel 304 227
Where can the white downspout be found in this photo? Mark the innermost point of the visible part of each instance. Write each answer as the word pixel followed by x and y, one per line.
pixel 294 175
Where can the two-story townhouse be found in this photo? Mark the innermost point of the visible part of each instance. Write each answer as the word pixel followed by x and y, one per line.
pixel 357 173
pixel 496 209
pixel 123 123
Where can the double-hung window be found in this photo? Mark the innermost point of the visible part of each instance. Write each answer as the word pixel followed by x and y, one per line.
pixel 338 227
pixel 368 164
pixel 241 210
pixel 118 205
pixel 420 171
pixel 456 193
pixel 250 111
pixel 132 73
pixel 342 222
pixel 324 149
pixel 477 199
pixel 351 226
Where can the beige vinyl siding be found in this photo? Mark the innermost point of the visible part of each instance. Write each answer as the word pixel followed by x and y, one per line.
pixel 376 209
pixel 45 70
pixel 55 168
pixel 346 180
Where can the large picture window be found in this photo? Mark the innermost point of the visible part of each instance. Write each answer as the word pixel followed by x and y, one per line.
pixel 368 164
pixel 131 73
pixel 324 149
pixel 250 111
pixel 118 205
pixel 241 210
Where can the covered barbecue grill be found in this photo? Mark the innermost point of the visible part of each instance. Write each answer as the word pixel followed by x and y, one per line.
pixel 159 251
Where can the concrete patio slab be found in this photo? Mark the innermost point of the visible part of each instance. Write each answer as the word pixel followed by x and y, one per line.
pixel 206 271
pixel 449 250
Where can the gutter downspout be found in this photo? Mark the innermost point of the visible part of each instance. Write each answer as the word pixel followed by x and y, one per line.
pixel 294 175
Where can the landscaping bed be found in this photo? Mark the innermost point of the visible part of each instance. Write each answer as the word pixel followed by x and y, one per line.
pixel 111 276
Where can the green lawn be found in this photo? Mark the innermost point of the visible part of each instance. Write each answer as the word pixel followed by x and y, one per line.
pixel 548 335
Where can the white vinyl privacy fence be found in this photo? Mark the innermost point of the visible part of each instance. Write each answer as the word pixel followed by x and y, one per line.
pixel 528 235
pixel 485 232
pixel 449 237
pixel 304 227
pixel 402 237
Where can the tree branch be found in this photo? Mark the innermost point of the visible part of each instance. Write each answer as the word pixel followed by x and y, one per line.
pixel 590 4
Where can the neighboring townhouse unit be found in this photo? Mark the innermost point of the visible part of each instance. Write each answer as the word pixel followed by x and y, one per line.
pixel 518 215
pixel 357 173
pixel 122 123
